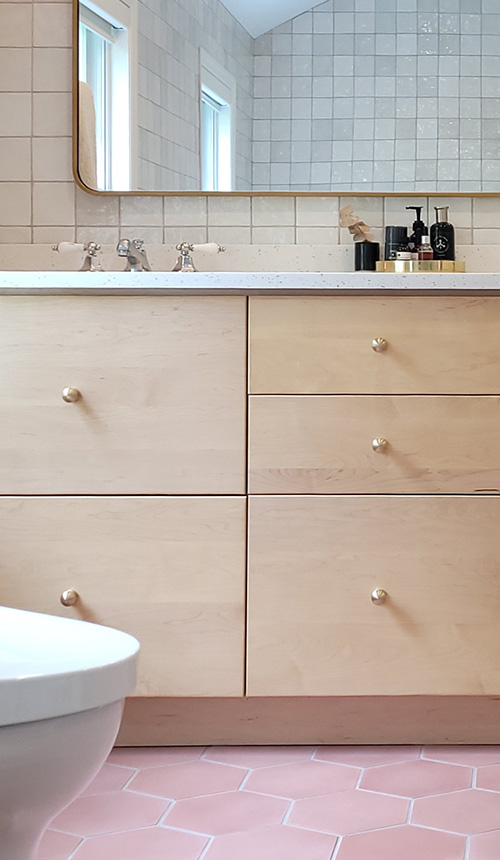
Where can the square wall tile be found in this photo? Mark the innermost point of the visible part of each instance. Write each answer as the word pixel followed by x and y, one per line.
pixel 229 235
pixel 273 235
pixel 15 110
pixel 15 70
pixel 269 211
pixel 15 235
pixel 52 159
pixel 53 235
pixel 52 25
pixel 53 203
pixel 317 211
pixel 228 211
pixel 52 114
pixel 143 211
pixel 96 209
pixel 184 233
pixel 15 25
pixel 15 158
pixel 52 70
pixel 185 210
pixel 15 204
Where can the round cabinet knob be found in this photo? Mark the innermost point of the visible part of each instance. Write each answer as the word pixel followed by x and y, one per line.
pixel 69 597
pixel 378 596
pixel 379 445
pixel 379 344
pixel 70 395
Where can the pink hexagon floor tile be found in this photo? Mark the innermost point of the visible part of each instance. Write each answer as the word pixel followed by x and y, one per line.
pixel 472 811
pixel 226 813
pixel 110 813
pixel 366 756
pixel 109 778
pixel 153 843
pixel 272 843
pixel 258 756
pixel 302 779
pixel 417 778
pixel 489 777
pixel 402 843
pixel 467 754
pixel 485 846
pixel 349 812
pixel 191 779
pixel 153 756
pixel 56 846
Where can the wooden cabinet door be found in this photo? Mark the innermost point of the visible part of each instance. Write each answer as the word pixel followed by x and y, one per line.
pixel 323 345
pixel 377 444
pixel 313 629
pixel 162 384
pixel 170 571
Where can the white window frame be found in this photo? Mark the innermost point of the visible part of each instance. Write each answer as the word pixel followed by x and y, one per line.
pixel 217 88
pixel 116 21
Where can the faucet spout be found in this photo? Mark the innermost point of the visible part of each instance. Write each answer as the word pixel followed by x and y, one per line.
pixel 134 251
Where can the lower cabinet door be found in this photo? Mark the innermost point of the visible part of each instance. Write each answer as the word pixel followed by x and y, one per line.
pixel 170 571
pixel 387 595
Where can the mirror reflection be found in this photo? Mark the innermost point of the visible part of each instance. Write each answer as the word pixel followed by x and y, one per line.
pixel 279 95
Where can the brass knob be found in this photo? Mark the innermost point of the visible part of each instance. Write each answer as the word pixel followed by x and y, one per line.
pixel 70 395
pixel 378 596
pixel 69 597
pixel 379 344
pixel 379 445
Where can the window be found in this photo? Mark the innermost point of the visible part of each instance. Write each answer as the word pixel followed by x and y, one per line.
pixel 218 100
pixel 104 64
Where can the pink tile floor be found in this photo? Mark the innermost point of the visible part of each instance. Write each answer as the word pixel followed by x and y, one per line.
pixel 286 803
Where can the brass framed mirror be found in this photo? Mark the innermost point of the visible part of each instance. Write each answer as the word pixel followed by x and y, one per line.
pixel 382 97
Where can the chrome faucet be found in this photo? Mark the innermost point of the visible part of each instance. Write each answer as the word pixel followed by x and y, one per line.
pixel 134 251
pixel 91 262
pixel 185 260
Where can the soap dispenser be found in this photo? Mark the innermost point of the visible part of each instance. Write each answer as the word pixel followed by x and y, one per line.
pixel 419 228
pixel 443 235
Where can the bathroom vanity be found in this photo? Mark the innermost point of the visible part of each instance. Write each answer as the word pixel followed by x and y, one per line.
pixel 286 486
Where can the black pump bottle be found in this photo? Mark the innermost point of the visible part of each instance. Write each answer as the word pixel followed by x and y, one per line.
pixel 443 235
pixel 419 228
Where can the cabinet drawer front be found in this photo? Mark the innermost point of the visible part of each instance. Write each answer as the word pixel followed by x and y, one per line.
pixel 170 571
pixel 323 345
pixel 378 444
pixel 162 405
pixel 314 563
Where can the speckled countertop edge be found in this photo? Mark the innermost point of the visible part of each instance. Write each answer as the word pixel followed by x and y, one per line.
pixel 241 283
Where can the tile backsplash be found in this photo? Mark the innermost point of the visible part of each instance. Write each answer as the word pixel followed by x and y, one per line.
pixel 40 202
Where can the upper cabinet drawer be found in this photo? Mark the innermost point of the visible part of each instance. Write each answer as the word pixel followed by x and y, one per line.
pixel 161 403
pixel 374 444
pixel 323 345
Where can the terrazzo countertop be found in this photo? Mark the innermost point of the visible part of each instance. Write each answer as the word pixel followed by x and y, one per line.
pixel 243 283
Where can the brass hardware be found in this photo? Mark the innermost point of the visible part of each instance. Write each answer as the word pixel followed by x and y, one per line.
pixel 379 445
pixel 378 596
pixel 69 597
pixel 71 395
pixel 379 344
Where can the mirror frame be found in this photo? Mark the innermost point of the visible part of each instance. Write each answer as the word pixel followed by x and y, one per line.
pixel 360 193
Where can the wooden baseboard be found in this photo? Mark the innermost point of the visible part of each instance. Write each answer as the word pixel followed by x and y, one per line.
pixel 312 720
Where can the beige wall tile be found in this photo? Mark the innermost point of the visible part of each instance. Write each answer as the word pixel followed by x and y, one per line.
pixel 15 204
pixel 101 235
pixel 369 209
pixel 52 70
pixel 15 159
pixel 317 211
pixel 15 70
pixel 52 25
pixel 176 235
pixel 146 211
pixel 268 211
pixel 150 235
pixel 317 235
pixel 52 114
pixel 15 110
pixel 52 159
pixel 53 235
pixel 15 25
pixel 486 237
pixel 273 235
pixel 15 236
pixel 228 211
pixel 485 212
pixel 185 210
pixel 53 203
pixel 92 209
pixel 229 235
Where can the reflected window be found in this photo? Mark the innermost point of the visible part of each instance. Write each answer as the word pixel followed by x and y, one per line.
pixel 218 101
pixel 105 95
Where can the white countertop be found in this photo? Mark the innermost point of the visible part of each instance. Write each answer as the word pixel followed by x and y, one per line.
pixel 242 283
